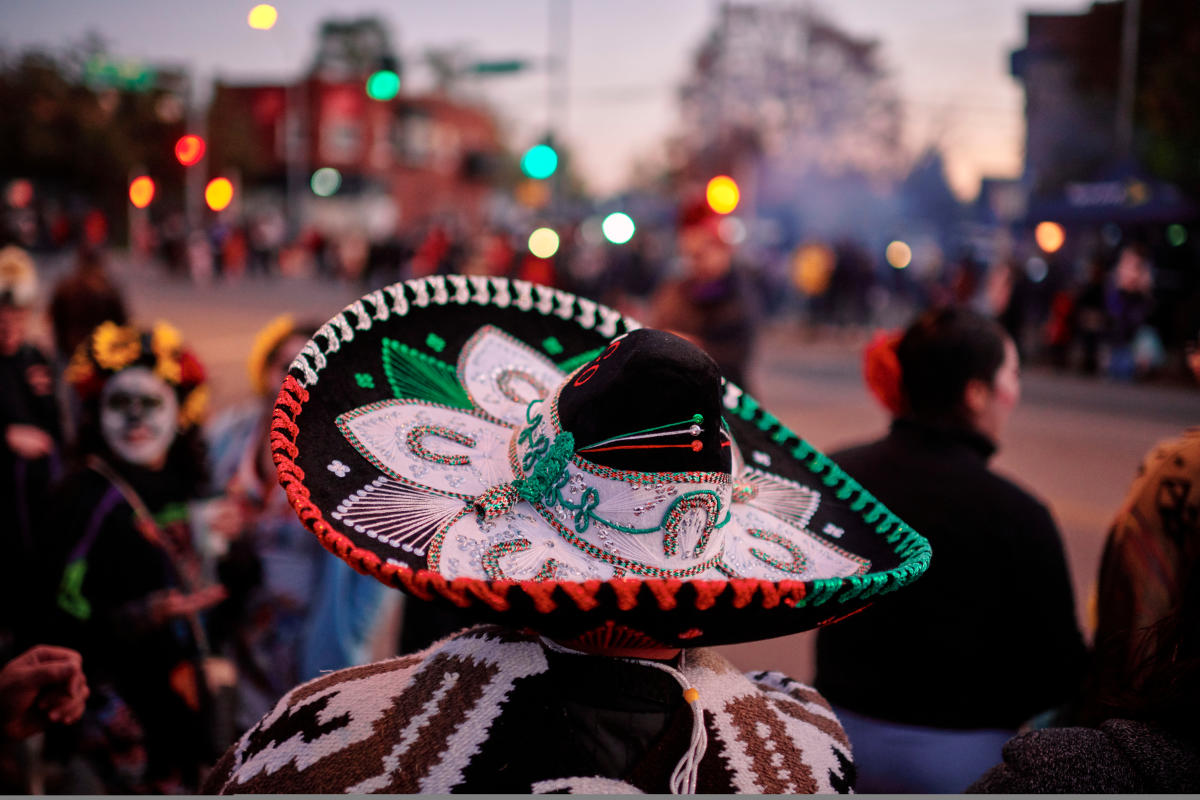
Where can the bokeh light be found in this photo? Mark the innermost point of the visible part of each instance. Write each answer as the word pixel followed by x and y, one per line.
pixel 812 267
pixel 722 194
pixel 189 149
pixel 218 194
pixel 618 227
pixel 539 161
pixel 898 254
pixel 1177 235
pixel 543 242
pixel 262 17
pixel 325 182
pixel 1037 269
pixel 383 85
pixel 20 193
pixel 732 231
pixel 141 191
pixel 1049 236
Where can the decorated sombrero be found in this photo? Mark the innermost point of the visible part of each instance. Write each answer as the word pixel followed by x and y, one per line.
pixel 536 457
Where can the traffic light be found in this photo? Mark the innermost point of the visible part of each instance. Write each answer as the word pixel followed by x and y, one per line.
pixel 218 194
pixel 189 149
pixel 539 161
pixel 722 194
pixel 141 191
pixel 384 84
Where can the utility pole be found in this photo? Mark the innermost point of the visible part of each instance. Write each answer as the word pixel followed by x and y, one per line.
pixel 1127 78
pixel 559 48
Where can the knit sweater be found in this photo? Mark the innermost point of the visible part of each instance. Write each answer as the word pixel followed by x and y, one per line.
pixel 1119 756
pixel 495 710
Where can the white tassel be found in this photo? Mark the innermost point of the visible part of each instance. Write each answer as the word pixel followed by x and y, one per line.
pixel 687 772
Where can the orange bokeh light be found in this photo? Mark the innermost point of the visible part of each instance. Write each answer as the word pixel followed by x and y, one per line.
pixel 1049 236
pixel 218 194
pixel 141 191
pixel 189 149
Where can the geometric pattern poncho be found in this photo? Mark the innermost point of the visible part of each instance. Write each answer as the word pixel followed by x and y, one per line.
pixel 472 714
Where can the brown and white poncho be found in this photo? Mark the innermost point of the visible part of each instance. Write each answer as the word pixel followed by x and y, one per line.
pixel 496 710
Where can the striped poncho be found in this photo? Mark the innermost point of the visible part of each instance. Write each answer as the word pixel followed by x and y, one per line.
pixel 496 710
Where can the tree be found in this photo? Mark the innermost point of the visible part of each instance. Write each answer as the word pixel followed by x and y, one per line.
pixel 787 82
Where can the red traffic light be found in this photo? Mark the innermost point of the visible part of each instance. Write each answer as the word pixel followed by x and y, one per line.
pixel 189 149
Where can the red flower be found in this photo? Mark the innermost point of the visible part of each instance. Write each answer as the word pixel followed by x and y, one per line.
pixel 191 370
pixel 881 370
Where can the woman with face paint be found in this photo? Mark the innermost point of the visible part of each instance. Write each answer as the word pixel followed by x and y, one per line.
pixel 130 582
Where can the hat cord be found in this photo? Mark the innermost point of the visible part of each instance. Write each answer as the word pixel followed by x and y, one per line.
pixel 686 774
pixel 500 499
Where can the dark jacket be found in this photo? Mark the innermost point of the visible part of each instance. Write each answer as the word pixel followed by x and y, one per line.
pixel 1119 756
pixel 987 638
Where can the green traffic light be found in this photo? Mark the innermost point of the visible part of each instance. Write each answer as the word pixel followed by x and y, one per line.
pixel 539 161
pixel 383 85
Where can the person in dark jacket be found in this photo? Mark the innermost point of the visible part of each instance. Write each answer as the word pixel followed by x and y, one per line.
pixel 1142 698
pixel 928 704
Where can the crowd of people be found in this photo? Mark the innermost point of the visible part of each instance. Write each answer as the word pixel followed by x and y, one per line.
pixel 152 550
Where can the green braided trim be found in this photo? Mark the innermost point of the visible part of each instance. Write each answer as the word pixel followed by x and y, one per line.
pixel 913 548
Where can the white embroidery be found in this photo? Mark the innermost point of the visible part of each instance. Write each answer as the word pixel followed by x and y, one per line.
pixel 338 468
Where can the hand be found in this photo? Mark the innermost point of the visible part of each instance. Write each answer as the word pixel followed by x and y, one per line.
pixel 28 441
pixel 44 683
pixel 172 603
pixel 227 517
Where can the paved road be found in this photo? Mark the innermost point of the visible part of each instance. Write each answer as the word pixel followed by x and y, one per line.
pixel 1074 442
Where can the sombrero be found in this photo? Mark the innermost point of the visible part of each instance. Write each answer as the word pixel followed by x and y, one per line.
pixel 538 458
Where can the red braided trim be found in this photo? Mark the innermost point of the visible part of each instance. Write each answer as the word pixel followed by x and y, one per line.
pixel 665 591
pixel 792 592
pixel 743 591
pixel 280 421
pixel 626 591
pixel 495 594
pixel 707 593
pixel 541 593
pixel 584 594
pixel 456 591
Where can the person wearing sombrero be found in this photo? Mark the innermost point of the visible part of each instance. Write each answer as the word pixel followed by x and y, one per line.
pixel 598 495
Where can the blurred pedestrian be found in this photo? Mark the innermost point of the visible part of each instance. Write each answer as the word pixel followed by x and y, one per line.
pixel 1091 317
pixel 710 304
pixel 30 455
pixel 1142 698
pixel 988 638
pixel 131 580
pixel 307 613
pixel 1129 301
pixel 610 516
pixel 81 300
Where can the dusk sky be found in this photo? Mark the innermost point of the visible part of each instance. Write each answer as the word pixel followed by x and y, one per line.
pixel 949 59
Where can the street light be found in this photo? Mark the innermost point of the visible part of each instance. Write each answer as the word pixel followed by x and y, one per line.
pixel 1049 236
pixel 325 182
pixel 618 228
pixel 218 194
pixel 262 17
pixel 141 191
pixel 898 254
pixel 543 242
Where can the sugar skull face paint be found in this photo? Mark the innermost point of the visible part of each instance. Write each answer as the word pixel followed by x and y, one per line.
pixel 138 414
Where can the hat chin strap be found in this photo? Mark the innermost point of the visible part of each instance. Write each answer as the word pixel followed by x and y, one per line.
pixel 687 772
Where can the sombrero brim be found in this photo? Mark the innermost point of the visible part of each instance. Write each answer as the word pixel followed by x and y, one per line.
pixel 409 403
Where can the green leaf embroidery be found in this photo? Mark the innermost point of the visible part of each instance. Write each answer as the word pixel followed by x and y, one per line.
pixel 416 376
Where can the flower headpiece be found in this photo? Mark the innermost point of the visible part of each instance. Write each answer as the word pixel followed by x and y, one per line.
pixel 112 348
pixel 881 370
pixel 265 341
pixel 18 278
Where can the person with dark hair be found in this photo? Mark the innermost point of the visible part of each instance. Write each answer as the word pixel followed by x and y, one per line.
pixel 80 301
pixel 131 583
pixel 302 613
pixel 997 641
pixel 1142 697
